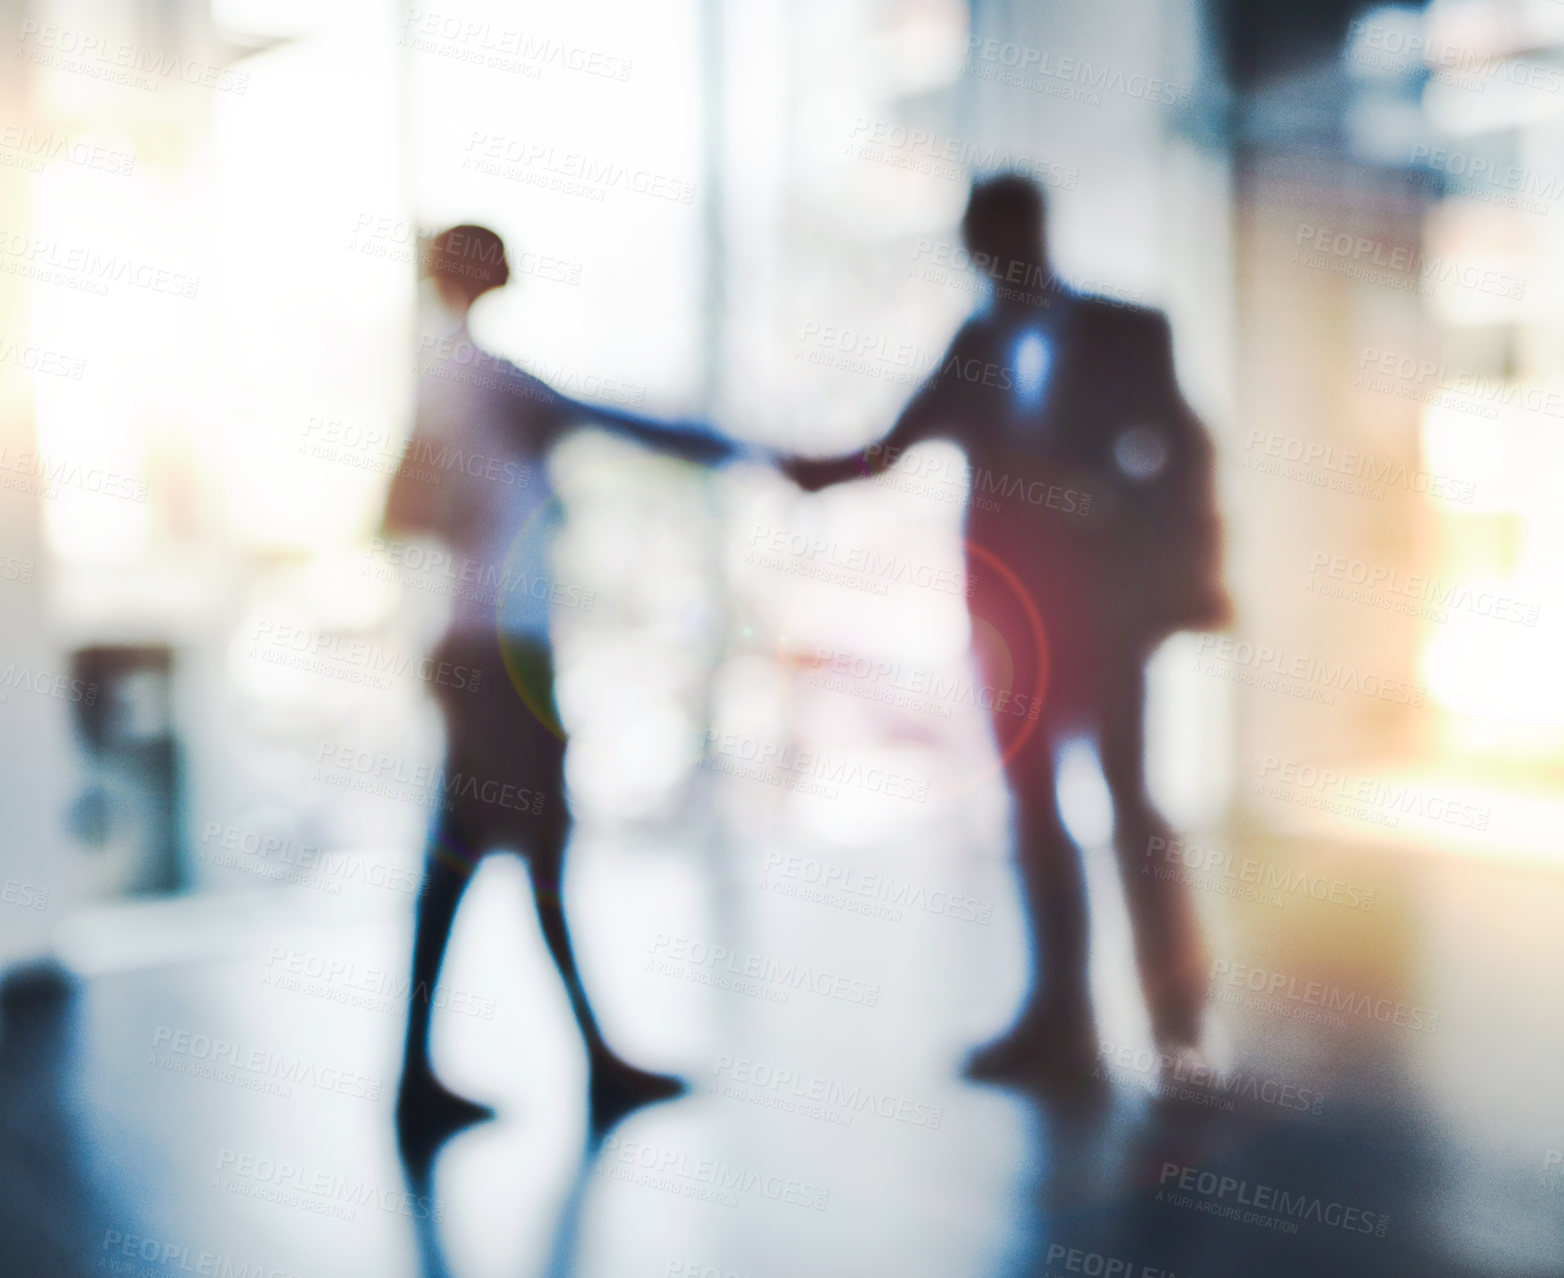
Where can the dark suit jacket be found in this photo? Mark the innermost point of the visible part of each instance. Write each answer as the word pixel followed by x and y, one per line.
pixel 1142 551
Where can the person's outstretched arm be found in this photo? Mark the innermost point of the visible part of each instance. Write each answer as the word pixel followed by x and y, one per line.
pixel 934 412
pixel 555 413
pixel 691 440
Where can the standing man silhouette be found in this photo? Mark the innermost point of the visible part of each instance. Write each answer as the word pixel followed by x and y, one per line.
pixel 1092 535
pixel 504 781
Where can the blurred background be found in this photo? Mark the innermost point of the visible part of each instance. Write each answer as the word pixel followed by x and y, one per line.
pixel 217 742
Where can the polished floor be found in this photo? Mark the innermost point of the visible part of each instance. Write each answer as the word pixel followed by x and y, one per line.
pixel 223 1108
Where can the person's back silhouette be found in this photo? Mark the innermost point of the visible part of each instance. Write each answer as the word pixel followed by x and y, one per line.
pixel 504 781
pixel 1092 535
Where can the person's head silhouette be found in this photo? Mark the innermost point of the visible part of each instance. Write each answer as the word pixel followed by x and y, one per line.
pixel 465 262
pixel 1006 224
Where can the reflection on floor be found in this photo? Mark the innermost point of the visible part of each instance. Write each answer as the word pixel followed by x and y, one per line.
pixel 231 1116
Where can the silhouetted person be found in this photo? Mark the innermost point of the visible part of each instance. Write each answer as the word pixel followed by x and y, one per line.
pixel 473 475
pixel 1092 535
